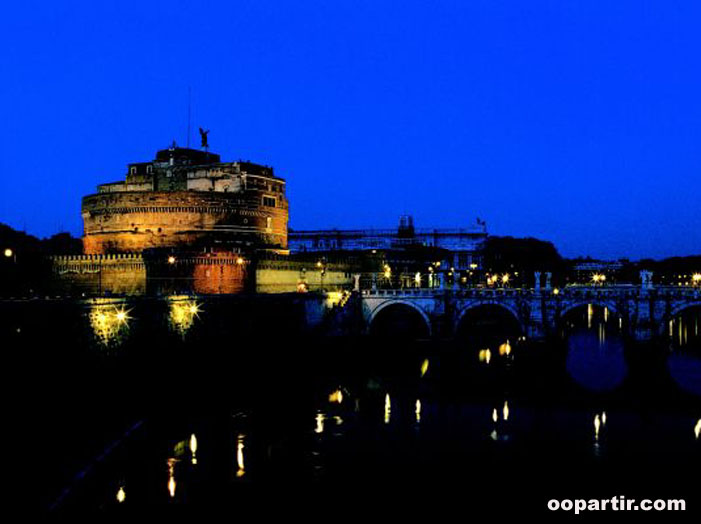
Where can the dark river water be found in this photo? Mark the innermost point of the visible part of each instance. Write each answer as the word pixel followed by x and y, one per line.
pixel 193 404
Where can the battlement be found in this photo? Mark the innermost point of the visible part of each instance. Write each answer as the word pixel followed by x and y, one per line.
pixel 91 258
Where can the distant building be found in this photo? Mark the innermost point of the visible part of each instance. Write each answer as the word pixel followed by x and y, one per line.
pixel 584 270
pixel 464 244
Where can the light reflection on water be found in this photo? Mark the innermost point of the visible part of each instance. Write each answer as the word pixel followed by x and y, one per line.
pixel 109 321
pixel 501 430
pixel 684 360
pixel 595 360
pixel 388 408
pixel 183 311
pixel 241 471
pixel 595 353
pixel 171 476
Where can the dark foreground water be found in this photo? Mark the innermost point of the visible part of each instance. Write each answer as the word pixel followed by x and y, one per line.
pixel 194 405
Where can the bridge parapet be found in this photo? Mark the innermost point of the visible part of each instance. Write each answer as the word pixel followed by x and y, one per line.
pixel 643 312
pixel 624 290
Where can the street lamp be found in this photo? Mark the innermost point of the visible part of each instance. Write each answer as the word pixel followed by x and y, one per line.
pixel 10 253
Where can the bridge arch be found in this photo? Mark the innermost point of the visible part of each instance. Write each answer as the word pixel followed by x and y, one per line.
pixel 371 317
pixel 471 306
pixel 594 302
pixel 662 328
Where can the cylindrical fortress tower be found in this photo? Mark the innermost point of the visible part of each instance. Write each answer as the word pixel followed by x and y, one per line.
pixel 188 199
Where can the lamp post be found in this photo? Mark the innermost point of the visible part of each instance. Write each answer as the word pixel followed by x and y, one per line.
pixel 321 264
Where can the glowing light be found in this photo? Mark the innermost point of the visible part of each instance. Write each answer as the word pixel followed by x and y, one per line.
pixel 417 279
pixel 603 418
pixel 495 415
pixel 193 448
pixel 239 457
pixel 695 278
pixel 597 426
pixel 240 261
pixel 505 349
pixel 388 271
pixel 505 278
pixel 424 367
pixel 417 411
pixel 556 291
pixel 171 476
pixel 8 252
pixel 697 429
pixel 506 410
pixel 485 356
pixel 388 408
pixel 590 314
pixel 336 396
pixel 121 495
pixel 108 322
pixel 171 259
pixel 319 423
pixel 182 314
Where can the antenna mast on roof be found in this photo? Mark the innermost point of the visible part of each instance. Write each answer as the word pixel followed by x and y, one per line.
pixel 189 112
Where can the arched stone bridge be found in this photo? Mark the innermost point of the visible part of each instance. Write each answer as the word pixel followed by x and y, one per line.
pixel 644 311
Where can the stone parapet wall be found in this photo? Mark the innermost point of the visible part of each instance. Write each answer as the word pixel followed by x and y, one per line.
pixel 119 274
pixel 220 273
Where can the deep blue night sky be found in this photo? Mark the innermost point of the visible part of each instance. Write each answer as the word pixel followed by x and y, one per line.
pixel 575 122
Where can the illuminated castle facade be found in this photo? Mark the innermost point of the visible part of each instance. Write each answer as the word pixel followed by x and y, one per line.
pixel 188 199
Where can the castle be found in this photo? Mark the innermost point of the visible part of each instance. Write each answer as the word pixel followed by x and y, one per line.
pixel 187 199
pixel 186 222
